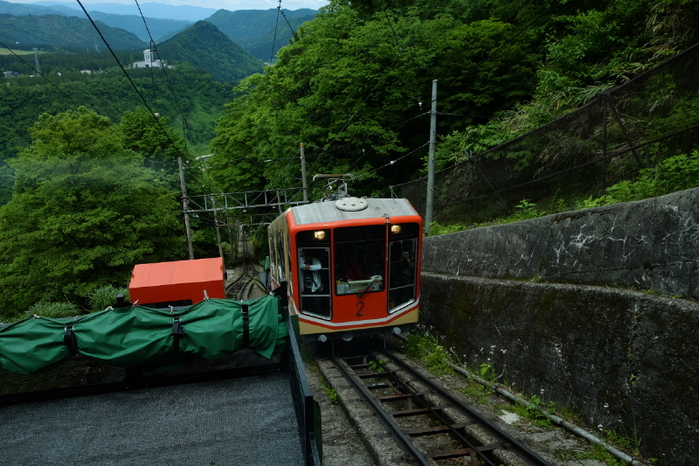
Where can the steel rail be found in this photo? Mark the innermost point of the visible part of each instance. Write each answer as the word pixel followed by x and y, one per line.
pixel 415 456
pixel 504 438
pixel 446 423
pixel 240 288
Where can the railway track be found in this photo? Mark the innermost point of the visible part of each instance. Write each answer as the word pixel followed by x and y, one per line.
pixel 423 423
pixel 241 287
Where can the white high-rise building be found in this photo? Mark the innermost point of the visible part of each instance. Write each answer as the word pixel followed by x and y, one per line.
pixel 149 61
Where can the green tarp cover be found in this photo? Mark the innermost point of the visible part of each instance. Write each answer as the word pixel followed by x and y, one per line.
pixel 142 337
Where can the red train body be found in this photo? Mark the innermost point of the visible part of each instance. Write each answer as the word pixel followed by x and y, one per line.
pixel 348 266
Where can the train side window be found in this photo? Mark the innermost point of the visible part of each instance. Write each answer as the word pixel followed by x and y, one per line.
pixel 402 272
pixel 314 281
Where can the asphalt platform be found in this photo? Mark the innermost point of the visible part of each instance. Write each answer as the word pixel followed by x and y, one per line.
pixel 243 421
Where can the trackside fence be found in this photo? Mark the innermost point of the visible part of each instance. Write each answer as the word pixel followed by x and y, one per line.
pixel 609 139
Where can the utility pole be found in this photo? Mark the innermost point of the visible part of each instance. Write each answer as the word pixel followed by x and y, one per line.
pixel 303 171
pixel 218 232
pixel 185 209
pixel 430 164
pixel 36 61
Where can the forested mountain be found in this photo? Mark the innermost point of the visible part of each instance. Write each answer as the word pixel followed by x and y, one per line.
pixel 160 29
pixel 190 98
pixel 254 30
pixel 182 92
pixel 259 32
pixel 207 48
pixel 55 32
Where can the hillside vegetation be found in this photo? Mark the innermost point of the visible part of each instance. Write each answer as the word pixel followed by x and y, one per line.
pixel 205 47
pixel 355 86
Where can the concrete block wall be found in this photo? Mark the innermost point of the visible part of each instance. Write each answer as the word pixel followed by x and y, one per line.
pixel 650 245
pixel 622 358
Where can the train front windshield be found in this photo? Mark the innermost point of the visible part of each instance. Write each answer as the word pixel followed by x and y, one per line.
pixel 360 259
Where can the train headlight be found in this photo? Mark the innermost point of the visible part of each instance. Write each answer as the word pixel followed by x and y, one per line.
pixel 319 235
pixel 395 229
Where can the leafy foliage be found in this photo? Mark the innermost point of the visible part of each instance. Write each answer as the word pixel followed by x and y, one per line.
pixel 84 210
pixel 101 298
pixel 51 310
pixel 672 174
pixel 425 347
pixel 349 88
pixel 183 93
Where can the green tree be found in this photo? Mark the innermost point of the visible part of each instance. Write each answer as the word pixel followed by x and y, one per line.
pixel 154 139
pixel 351 86
pixel 84 210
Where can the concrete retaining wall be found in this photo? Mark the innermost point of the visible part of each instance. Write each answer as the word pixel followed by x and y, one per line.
pixel 651 244
pixel 585 346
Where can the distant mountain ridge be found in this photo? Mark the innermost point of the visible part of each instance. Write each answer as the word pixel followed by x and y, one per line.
pixel 63 32
pixel 150 9
pixel 254 30
pixel 160 29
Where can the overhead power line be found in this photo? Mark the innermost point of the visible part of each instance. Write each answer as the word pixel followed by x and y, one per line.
pixel 167 77
pixel 37 72
pixel 155 117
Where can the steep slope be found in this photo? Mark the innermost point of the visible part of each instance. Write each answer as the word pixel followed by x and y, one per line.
pixel 205 47
pixel 63 32
pixel 254 29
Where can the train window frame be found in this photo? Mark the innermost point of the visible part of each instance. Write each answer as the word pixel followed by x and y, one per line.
pixel 324 297
pixel 398 262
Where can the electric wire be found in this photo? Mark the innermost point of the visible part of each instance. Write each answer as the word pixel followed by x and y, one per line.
pixel 167 78
pixel 296 36
pixel 157 120
pixel 274 40
pixel 385 73
pixel 38 73
pixel 520 31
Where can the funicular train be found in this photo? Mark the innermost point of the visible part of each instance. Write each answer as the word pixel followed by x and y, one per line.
pixel 348 265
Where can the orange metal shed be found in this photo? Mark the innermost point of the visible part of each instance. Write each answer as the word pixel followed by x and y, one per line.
pixel 177 281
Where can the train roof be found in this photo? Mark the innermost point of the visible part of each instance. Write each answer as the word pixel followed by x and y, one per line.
pixel 351 208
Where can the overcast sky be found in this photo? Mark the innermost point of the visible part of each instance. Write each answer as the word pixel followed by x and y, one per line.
pixel 217 4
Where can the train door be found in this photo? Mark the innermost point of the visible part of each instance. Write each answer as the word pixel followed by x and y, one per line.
pixel 402 271
pixel 360 272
